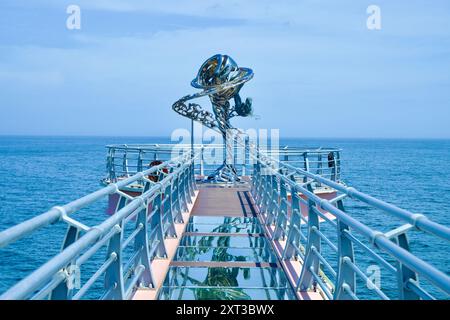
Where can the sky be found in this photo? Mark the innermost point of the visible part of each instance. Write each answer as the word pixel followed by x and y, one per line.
pixel 319 71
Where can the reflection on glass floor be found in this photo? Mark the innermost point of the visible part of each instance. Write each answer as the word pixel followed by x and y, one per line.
pixel 244 228
pixel 223 220
pixel 224 254
pixel 225 258
pixel 225 283
pixel 253 277
pixel 224 241
pixel 225 294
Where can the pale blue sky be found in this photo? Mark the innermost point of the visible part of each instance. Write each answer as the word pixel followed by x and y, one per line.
pixel 319 72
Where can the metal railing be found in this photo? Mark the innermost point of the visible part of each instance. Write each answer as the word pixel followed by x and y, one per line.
pixel 326 238
pixel 127 265
pixel 126 160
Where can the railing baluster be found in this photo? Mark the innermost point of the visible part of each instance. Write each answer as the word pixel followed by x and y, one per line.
pixel 311 264
pixel 141 245
pixel 62 291
pixel 273 199
pixel 168 214
pixel 175 199
pixel 114 282
pixel 281 223
pixel 139 161
pixel 125 164
pixel 156 227
pixel 405 274
pixel 182 191
pixel 345 287
pixel 265 192
pixel 293 240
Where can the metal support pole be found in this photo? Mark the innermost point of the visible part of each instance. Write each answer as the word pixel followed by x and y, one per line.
pixel 405 274
pixel 311 264
pixel 345 274
pixel 62 291
pixel 141 245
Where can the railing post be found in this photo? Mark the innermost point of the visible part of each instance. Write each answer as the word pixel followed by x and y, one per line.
pixel 264 193
pixel 311 263
pixel 182 191
pixel 345 274
pixel 156 226
pixel 175 199
pixel 139 162
pixel 110 167
pixel 255 182
pixel 405 274
pixel 293 238
pixel 187 191
pixel 62 291
pixel 114 284
pixel 273 199
pixel 319 166
pixel 202 160
pixel 167 216
pixel 259 186
pixel 141 245
pixel 336 170
pixel 125 163
pixel 306 164
pixel 236 145
pixel 192 178
pixel 281 223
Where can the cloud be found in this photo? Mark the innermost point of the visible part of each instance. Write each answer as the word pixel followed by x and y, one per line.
pixel 30 78
pixel 310 62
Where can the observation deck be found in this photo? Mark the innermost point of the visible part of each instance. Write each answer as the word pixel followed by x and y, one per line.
pixel 284 232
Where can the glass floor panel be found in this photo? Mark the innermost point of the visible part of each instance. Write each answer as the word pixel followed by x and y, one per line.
pixel 224 228
pixel 224 254
pixel 224 241
pixel 222 220
pixel 238 277
pixel 167 293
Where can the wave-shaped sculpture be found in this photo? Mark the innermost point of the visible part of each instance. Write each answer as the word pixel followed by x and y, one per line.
pixel 221 79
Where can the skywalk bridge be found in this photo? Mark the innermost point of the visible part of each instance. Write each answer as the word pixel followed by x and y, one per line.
pixel 284 232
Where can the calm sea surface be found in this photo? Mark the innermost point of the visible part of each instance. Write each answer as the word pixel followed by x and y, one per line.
pixel 37 173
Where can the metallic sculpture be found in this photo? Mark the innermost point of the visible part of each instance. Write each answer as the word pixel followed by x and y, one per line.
pixel 221 79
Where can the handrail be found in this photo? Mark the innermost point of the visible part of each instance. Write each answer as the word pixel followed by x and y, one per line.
pixel 269 196
pixel 52 278
pixel 126 159
pixel 420 221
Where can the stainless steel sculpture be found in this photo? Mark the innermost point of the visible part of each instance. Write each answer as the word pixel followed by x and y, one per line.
pixel 221 79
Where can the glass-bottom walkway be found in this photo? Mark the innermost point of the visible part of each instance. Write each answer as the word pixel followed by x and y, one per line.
pixel 224 256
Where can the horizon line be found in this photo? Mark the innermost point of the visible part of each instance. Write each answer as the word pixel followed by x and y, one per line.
pixel 168 137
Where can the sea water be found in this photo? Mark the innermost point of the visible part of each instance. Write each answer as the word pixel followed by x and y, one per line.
pixel 37 173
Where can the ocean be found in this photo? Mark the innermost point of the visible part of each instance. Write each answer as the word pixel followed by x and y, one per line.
pixel 37 173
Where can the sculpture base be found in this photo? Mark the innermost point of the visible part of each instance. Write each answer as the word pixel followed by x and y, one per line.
pixel 225 173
